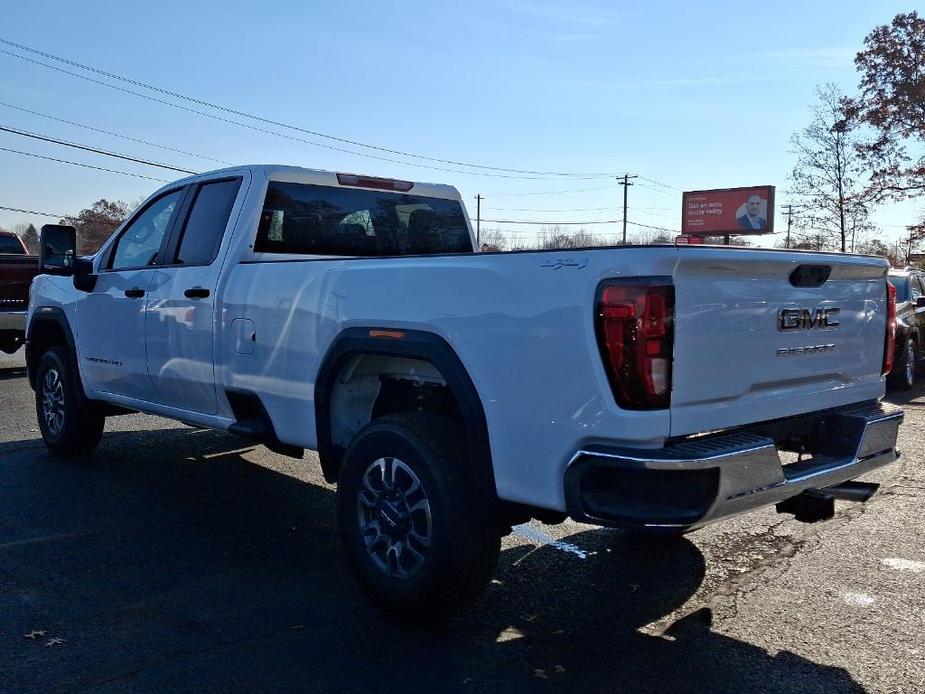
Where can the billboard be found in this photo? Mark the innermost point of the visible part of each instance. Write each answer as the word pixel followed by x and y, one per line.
pixel 728 211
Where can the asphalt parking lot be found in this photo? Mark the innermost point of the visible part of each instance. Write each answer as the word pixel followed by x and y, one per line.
pixel 179 559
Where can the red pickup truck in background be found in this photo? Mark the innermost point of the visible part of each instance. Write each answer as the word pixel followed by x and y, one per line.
pixel 17 268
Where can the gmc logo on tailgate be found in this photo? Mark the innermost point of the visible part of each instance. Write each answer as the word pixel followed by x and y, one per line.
pixel 807 319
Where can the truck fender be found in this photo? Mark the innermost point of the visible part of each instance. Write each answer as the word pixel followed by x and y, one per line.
pixel 47 326
pixel 412 344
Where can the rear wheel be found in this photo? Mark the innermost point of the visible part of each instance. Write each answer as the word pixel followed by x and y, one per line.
pixel 412 521
pixel 71 425
pixel 907 366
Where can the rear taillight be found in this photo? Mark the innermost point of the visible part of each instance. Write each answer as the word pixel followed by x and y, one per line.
pixel 635 332
pixel 889 348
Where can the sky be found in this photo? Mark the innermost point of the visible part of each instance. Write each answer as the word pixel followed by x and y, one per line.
pixel 687 96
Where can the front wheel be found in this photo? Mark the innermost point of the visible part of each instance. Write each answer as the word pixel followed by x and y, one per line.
pixel 412 519
pixel 71 425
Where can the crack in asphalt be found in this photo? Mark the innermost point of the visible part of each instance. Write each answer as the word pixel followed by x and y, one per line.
pixel 772 560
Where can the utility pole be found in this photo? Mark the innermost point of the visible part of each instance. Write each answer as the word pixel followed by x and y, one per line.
pixel 626 184
pixel 789 220
pixel 478 220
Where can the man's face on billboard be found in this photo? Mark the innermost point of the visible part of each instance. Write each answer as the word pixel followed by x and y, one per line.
pixel 753 205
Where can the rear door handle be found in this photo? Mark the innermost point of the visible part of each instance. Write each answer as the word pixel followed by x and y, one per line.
pixel 134 293
pixel 196 293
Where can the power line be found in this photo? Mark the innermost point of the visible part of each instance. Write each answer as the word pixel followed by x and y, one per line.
pixel 94 150
pixel 656 190
pixel 86 166
pixel 573 209
pixel 649 226
pixel 113 134
pixel 552 224
pixel 40 214
pixel 269 121
pixel 255 128
pixel 549 192
pixel 659 183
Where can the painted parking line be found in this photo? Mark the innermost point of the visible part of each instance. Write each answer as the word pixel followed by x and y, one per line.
pixel 859 599
pixel 911 565
pixel 541 539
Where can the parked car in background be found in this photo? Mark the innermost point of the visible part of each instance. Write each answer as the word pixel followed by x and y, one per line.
pixel 17 268
pixel 910 326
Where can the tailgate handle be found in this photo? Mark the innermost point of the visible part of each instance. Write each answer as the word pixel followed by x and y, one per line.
pixel 810 275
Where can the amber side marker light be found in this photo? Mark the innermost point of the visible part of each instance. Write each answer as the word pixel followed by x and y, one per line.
pixel 387 334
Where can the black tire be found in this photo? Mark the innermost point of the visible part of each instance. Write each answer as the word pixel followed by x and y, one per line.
pixel 71 425
pixel 421 583
pixel 906 368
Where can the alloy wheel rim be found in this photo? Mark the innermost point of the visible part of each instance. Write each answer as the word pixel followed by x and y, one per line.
pixel 395 518
pixel 53 402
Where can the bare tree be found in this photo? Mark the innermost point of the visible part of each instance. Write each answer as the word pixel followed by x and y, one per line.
pixel 29 236
pixel 650 237
pixel 829 174
pixel 878 247
pixel 493 240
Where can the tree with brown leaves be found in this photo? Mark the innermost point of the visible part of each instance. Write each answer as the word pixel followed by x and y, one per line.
pixel 96 223
pixel 892 102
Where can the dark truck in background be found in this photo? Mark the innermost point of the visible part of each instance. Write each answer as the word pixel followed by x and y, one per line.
pixel 909 358
pixel 17 268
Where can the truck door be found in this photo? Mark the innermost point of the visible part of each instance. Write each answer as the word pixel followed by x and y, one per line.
pixel 111 318
pixel 181 316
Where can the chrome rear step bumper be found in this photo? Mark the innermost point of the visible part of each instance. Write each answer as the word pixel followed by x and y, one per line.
pixel 697 481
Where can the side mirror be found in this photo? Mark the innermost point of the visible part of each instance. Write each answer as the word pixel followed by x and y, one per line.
pixel 57 250
pixel 920 302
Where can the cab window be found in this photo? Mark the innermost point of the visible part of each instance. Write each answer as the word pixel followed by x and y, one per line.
pixel 916 286
pixel 333 221
pixel 205 227
pixel 140 242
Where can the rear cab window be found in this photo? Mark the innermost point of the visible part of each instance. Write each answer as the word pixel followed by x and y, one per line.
pixel 11 246
pixel 330 221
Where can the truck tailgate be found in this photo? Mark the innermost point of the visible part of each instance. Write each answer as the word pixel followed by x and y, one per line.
pixel 736 363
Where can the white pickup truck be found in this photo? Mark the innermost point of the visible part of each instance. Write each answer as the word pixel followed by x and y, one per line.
pixel 452 394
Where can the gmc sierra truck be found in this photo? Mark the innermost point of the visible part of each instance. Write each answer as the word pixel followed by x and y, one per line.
pixel 450 393
pixel 17 268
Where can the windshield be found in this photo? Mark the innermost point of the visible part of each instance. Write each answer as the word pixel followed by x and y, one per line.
pixel 328 220
pixel 9 244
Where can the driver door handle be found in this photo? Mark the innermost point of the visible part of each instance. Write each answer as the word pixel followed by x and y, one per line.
pixel 134 293
pixel 196 293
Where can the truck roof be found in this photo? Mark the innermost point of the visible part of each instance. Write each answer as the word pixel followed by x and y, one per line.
pixel 298 174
